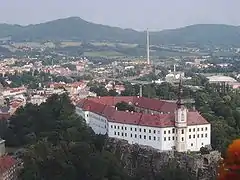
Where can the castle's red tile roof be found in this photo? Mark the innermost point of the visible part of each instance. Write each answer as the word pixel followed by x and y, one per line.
pixel 105 106
pixel 195 118
pixel 6 162
pixel 142 102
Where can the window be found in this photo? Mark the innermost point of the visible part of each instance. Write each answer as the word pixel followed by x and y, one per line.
pixel 149 130
pixel 154 131
pixel 192 144
pixel 158 138
pixel 131 135
pixel 164 138
pixel 193 136
pixel 198 136
pixel 144 136
pixel 140 129
pixel 126 134
pixel 169 132
pixel 158 132
pixel 197 129
pixel 144 130
pixel 190 130
pixel 122 127
pixel 164 132
pixel 154 138
pixel 135 129
pixel 205 128
pixel 193 129
pixel 114 127
pixel 118 127
pixel 202 135
pixel 190 137
pixel 173 138
pixel 111 126
pixel 169 138
pixel 130 129
pixel 205 135
pixel 135 135
pixel 182 139
pixel 182 131
pixel 202 129
pixel 115 133
pixel 140 136
pixel 118 134
pixel 150 138
pixel 176 138
pixel 173 131
pixel 122 134
pixel 125 128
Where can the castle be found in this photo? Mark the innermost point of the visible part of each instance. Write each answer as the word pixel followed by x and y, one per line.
pixel 163 125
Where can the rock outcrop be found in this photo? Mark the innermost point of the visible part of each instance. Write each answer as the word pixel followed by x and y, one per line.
pixel 150 162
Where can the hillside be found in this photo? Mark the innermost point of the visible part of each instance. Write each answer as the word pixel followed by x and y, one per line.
pixel 77 29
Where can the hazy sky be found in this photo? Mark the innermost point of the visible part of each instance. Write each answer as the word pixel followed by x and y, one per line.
pixel 137 14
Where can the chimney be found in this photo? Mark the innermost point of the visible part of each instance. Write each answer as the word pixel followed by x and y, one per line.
pixel 116 108
pixel 131 112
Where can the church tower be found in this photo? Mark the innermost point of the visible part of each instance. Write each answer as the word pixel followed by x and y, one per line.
pixel 181 122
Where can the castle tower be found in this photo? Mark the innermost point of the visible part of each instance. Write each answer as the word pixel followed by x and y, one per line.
pixel 181 122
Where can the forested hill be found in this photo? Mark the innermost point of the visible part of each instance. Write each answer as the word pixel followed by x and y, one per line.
pixel 75 28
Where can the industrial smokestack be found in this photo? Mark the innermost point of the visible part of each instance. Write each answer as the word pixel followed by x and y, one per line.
pixel 174 70
pixel 148 58
pixel 141 91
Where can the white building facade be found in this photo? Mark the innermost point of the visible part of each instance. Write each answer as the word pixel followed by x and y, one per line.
pixel 180 130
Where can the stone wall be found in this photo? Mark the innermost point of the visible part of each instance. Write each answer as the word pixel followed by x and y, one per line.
pixel 150 162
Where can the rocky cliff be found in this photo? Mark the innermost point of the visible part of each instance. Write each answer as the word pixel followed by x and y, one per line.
pixel 149 162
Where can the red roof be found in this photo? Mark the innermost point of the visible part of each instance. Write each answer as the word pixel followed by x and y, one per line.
pixel 142 102
pixel 195 118
pixel 4 116
pixel 105 106
pixel 6 162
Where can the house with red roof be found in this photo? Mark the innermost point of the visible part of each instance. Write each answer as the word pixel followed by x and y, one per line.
pixel 9 166
pixel 160 124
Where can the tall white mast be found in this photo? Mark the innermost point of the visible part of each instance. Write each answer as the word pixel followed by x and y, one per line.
pixel 148 59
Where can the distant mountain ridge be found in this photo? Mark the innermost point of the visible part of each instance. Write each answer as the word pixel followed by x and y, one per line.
pixel 77 29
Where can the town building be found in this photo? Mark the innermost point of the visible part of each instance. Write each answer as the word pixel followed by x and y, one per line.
pixel 160 124
pixel 9 166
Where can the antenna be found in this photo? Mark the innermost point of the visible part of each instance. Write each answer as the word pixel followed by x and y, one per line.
pixel 148 60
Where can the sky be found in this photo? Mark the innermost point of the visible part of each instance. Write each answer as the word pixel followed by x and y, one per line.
pixel 136 14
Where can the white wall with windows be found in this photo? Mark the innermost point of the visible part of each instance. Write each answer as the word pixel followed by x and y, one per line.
pixel 98 123
pixel 135 134
pixel 198 136
pixel 163 139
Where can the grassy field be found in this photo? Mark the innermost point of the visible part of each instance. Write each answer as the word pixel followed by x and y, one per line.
pixel 70 43
pixel 114 44
pixel 103 54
